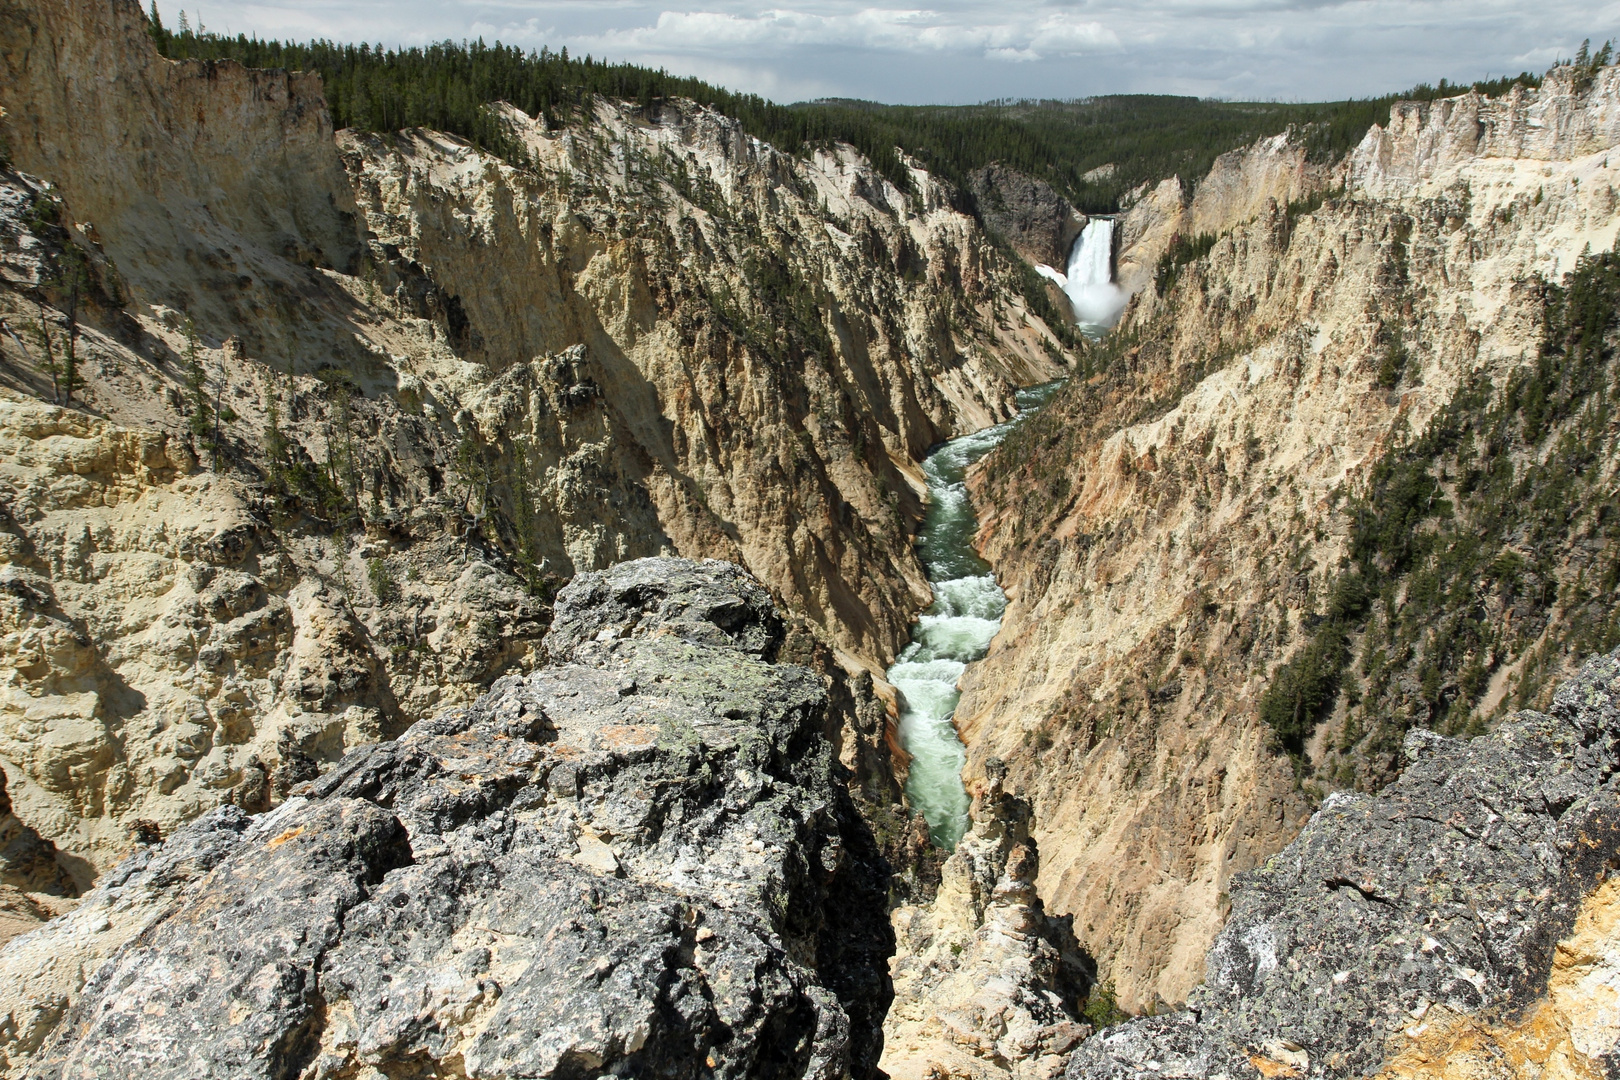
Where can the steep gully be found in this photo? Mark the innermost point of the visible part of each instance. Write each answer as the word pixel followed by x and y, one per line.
pixel 968 603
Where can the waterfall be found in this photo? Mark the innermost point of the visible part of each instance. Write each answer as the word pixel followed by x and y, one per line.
pixel 1089 282
pixel 1091 260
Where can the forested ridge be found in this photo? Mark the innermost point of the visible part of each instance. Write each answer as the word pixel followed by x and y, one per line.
pixel 1145 137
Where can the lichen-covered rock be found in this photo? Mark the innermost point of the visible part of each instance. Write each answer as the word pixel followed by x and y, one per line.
pixel 638 862
pixel 708 603
pixel 1450 890
pixel 44 972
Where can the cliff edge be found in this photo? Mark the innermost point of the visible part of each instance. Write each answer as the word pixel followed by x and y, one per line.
pixel 640 860
pixel 1392 917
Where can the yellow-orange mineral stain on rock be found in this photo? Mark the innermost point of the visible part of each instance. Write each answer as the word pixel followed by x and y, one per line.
pixel 284 837
pixel 1558 1038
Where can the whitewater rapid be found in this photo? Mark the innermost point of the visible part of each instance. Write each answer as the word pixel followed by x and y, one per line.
pixel 953 633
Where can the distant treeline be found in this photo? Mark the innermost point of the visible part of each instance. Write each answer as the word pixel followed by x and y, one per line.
pixel 446 86
pixel 1146 137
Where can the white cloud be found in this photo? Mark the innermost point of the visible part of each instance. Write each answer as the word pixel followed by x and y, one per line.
pixel 882 29
pixel 958 51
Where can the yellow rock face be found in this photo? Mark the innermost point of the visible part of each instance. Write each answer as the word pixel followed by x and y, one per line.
pixel 1194 529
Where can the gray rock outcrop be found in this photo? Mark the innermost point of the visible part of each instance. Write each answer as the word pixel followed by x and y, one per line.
pixel 639 861
pixel 1029 214
pixel 1449 890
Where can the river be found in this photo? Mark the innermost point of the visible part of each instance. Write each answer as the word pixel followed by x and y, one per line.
pixel 953 632
pixel 968 603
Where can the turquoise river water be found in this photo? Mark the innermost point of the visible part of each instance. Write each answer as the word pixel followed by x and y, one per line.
pixel 954 632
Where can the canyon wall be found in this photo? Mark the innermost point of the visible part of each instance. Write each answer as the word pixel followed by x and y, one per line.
pixel 1240 186
pixel 1029 214
pixel 1461 923
pixel 352 407
pixel 213 188
pixel 1177 526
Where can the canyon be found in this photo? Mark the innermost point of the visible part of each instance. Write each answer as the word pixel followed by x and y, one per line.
pixel 1170 530
pixel 450 386
pixel 467 611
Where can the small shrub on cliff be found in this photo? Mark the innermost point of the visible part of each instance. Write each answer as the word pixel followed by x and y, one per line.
pixel 1310 204
pixel 1304 688
pixel 1102 1008
pixel 47 342
pixel 1394 360
pixel 297 484
pixel 381 580
pixel 1587 64
pixel 200 419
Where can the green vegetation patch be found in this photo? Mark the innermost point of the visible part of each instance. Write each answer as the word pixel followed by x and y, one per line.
pixel 1486 548
pixel 1180 252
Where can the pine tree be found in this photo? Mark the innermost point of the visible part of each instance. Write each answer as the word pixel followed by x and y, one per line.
pixel 44 338
pixel 1587 64
pixel 73 279
pixel 196 379
pixel 275 446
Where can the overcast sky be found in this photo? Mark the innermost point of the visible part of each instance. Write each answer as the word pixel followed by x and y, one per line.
pixel 962 51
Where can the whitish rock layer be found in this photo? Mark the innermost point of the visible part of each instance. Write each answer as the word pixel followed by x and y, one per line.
pixel 986 983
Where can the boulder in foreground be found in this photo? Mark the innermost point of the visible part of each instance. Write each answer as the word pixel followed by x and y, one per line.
pixel 638 862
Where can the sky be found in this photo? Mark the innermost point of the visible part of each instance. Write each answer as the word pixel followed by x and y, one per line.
pixel 966 51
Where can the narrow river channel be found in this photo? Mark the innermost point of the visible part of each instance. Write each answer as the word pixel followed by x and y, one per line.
pixel 952 633
pixel 968 603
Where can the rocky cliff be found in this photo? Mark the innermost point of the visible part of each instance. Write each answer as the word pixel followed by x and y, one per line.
pixel 1040 224
pixel 1423 930
pixel 637 860
pixel 1240 186
pixel 1308 481
pixel 986 983
pixel 349 408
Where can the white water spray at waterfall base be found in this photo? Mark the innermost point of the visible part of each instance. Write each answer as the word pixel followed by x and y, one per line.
pixel 1089 283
